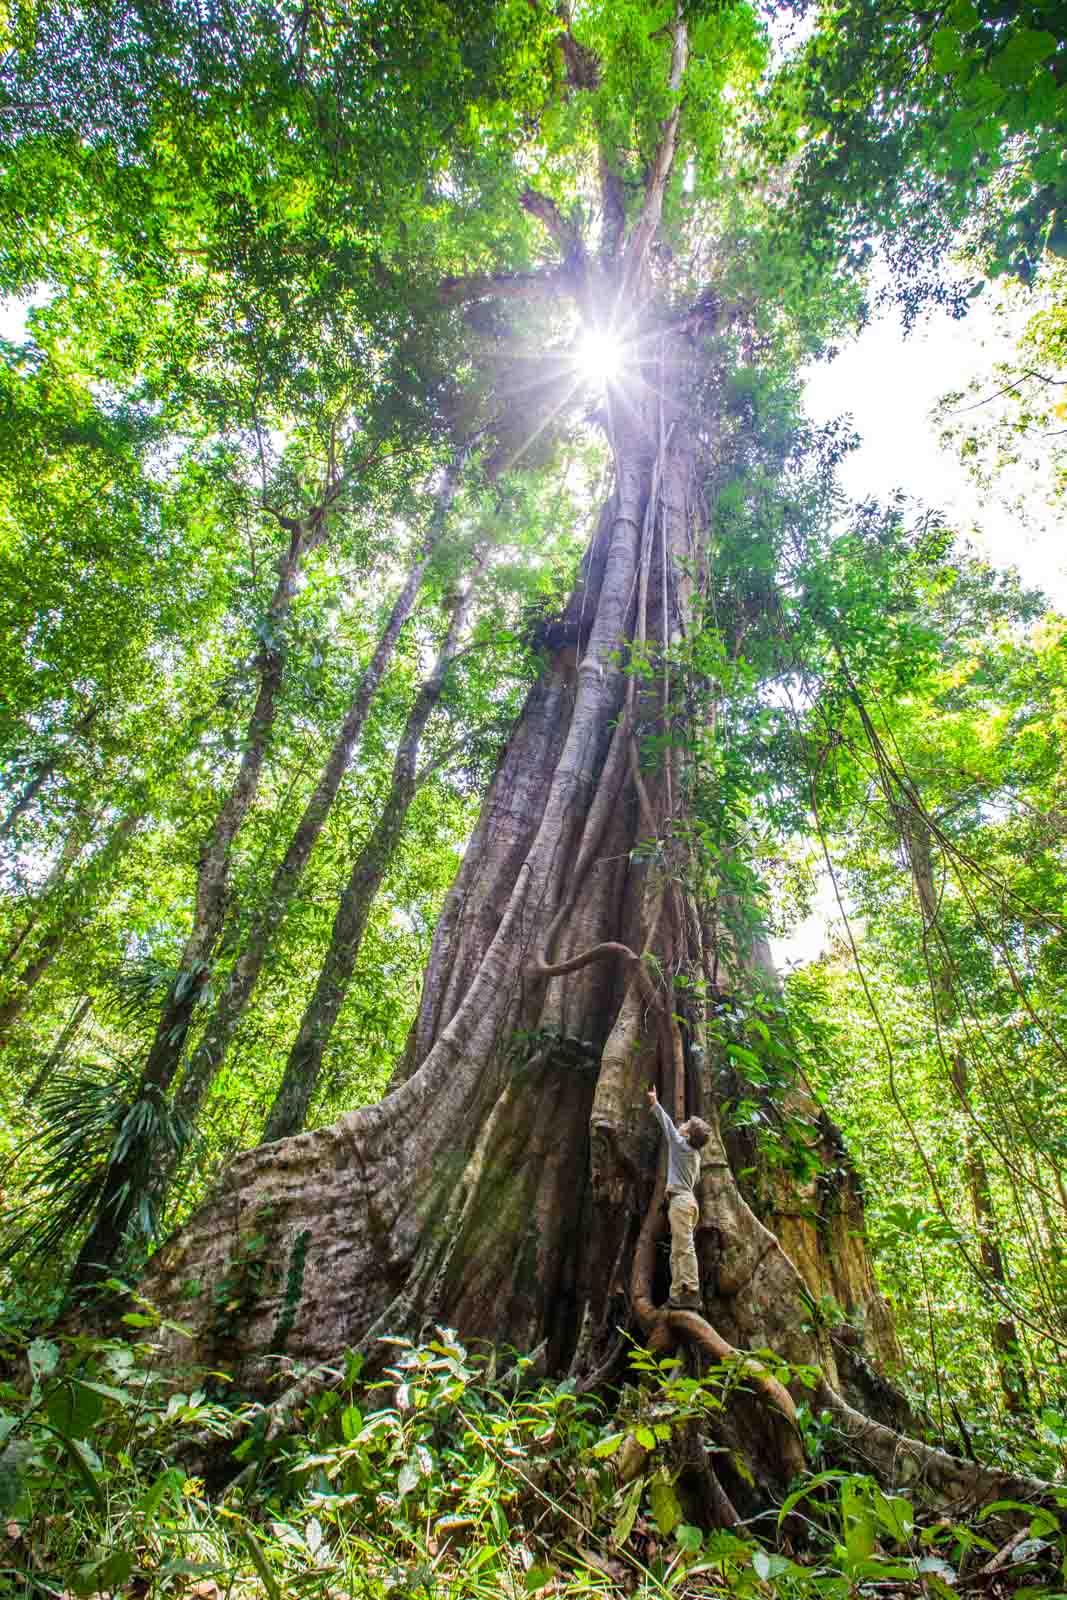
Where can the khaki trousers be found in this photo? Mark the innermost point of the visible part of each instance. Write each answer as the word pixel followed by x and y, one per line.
pixel 684 1213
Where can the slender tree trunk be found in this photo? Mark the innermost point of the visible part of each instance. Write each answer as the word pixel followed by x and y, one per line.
pixel 300 1079
pixel 73 845
pixel 42 772
pixel 213 866
pixel 22 990
pixel 69 1032
pixel 123 1192
pixel 916 839
pixel 233 1002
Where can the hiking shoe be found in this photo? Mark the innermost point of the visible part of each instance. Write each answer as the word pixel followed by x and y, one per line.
pixel 688 1300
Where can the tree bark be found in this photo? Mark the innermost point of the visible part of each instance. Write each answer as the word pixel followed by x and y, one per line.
pixel 233 1001
pixel 508 1182
pixel 501 1186
pixel 22 990
pixel 213 865
pixel 289 1112
pixel 123 1193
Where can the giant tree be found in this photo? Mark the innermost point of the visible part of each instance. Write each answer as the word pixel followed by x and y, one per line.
pixel 598 932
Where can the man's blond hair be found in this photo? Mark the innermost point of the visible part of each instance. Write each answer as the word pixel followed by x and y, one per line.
pixel 697 1133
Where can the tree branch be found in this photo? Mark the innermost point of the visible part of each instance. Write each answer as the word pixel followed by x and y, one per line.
pixel 582 66
pixel 612 205
pixel 508 286
pixel 644 228
pixel 548 214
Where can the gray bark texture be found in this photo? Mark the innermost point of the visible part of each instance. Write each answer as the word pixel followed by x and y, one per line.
pixel 233 1001
pixel 289 1111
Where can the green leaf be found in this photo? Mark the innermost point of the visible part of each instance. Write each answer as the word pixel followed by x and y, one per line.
pixel 857 1520
pixel 106 1574
pixel 169 1482
pixel 819 1481
pixel 767 1565
pixel 945 50
pixel 43 1357
pixel 1024 51
pixel 624 1522
pixel 645 1437
pixel 688 1537
pixel 74 1408
pixel 608 1446
pixel 896 1514
pixel 262 1566
pixel 84 1463
pixel 538 1576
pixel 665 1507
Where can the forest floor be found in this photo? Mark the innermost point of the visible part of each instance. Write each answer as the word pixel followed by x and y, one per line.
pixel 450 1474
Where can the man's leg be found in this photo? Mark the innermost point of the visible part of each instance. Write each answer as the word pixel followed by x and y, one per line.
pixel 684 1213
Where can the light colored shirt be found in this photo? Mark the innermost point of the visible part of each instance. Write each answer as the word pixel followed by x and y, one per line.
pixel 683 1162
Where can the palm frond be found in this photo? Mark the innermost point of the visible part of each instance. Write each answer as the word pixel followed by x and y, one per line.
pixel 89 1119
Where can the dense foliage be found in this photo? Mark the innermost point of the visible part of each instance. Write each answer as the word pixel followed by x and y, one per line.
pixel 289 507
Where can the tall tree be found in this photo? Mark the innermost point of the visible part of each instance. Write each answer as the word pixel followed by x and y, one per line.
pixel 600 926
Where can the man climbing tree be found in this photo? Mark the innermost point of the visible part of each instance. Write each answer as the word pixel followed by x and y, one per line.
pixel 684 1145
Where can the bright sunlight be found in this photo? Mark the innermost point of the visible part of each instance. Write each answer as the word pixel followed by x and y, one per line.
pixel 600 356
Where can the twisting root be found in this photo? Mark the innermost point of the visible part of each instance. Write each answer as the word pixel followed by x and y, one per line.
pixel 895 1458
pixel 610 947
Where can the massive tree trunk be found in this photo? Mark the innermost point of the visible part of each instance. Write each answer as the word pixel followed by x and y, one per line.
pixel 508 1182
pixel 502 1185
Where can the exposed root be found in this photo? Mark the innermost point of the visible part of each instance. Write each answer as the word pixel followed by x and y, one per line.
pixel 600 952
pixel 894 1458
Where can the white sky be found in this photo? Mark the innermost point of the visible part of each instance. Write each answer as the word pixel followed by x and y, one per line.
pixel 889 385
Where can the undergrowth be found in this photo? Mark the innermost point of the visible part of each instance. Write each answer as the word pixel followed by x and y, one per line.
pixel 453 1474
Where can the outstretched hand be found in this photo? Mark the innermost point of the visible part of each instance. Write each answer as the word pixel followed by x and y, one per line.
pixel 651 1094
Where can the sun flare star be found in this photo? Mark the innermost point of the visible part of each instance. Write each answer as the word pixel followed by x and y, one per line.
pixel 600 356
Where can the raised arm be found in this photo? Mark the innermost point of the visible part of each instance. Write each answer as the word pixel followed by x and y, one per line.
pixel 670 1131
